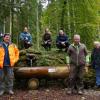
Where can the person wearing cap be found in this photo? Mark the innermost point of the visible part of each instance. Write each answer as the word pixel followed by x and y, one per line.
pixel 9 55
pixel 25 39
pixel 95 62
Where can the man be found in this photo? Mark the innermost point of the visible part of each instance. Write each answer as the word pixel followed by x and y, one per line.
pixel 95 62
pixel 47 39
pixel 9 55
pixel 25 39
pixel 62 41
pixel 77 54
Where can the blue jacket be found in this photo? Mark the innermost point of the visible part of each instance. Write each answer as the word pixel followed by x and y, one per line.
pixel 62 38
pixel 26 36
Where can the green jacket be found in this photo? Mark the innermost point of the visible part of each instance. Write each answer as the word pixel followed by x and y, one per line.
pixel 77 54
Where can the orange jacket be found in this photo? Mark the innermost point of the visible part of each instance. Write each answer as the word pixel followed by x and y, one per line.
pixel 13 54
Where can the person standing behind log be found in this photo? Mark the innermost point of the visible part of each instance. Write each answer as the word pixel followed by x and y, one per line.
pixel 95 62
pixel 77 55
pixel 9 55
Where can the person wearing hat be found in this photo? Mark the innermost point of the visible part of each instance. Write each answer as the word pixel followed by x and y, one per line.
pixel 9 55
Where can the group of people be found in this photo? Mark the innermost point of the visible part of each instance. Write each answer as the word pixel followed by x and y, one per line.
pixel 62 40
pixel 77 52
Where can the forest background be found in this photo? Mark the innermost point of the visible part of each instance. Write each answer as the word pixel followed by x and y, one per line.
pixel 73 16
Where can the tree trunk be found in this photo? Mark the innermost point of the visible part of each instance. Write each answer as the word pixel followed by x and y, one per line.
pixel 41 72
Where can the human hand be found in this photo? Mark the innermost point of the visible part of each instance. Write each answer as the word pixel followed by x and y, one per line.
pixel 28 42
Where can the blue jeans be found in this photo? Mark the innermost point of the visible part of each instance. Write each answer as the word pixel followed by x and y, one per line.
pixel 97 71
pixel 6 78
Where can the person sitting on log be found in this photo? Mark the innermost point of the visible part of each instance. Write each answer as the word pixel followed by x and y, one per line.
pixel 25 39
pixel 62 41
pixel 47 39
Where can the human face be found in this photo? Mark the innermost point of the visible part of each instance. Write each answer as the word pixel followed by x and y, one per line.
pixel 46 30
pixel 97 44
pixel 25 29
pixel 61 32
pixel 76 39
pixel 6 39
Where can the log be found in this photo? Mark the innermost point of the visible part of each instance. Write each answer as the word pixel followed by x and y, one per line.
pixel 33 83
pixel 41 72
pixel 34 74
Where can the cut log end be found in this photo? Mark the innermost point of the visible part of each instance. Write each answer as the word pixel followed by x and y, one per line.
pixel 33 83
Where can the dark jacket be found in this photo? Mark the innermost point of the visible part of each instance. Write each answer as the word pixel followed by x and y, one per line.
pixel 61 38
pixel 47 37
pixel 77 55
pixel 95 57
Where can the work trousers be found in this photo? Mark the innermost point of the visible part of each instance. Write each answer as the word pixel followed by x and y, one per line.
pixel 76 77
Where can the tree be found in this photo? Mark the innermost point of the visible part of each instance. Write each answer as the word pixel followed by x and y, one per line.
pixel 75 17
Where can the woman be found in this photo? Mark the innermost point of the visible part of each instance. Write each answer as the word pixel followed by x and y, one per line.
pixel 47 40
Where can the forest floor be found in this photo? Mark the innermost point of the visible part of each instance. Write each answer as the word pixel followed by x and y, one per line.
pixel 52 92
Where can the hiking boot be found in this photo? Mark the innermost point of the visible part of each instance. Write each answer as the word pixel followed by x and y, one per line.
pixel 97 87
pixel 74 91
pixel 80 92
pixel 1 92
pixel 11 92
pixel 69 91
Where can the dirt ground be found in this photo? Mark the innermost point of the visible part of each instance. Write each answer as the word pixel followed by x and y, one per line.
pixel 52 92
